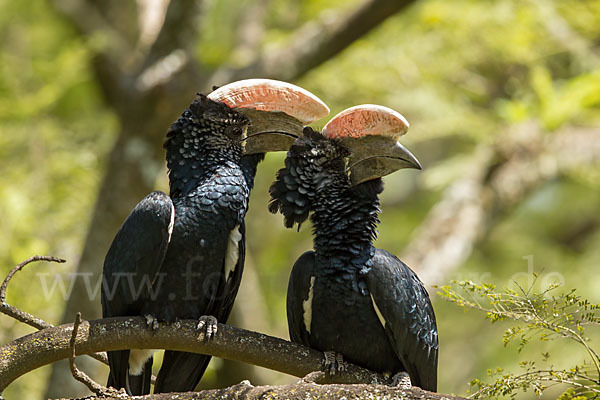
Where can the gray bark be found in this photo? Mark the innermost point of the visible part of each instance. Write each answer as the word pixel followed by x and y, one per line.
pixel 303 391
pixel 51 344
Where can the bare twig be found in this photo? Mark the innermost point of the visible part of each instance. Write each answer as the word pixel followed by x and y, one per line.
pixel 25 317
pixel 20 267
pixel 30 319
pixel 15 312
pixel 77 373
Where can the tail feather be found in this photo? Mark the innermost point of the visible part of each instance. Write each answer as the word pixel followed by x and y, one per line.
pixel 118 362
pixel 119 377
pixel 180 372
pixel 140 384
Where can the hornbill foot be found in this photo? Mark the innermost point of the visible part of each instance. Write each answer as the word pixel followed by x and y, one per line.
pixel 402 380
pixel 208 324
pixel 334 362
pixel 151 321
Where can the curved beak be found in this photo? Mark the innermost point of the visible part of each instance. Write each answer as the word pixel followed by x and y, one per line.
pixel 269 131
pixel 376 156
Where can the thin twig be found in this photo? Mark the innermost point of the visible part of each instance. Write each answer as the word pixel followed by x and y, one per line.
pixel 79 375
pixel 25 317
pixel 30 319
pixel 16 313
pixel 20 267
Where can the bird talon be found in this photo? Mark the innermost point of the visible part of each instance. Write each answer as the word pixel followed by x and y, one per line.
pixel 334 362
pixel 208 323
pixel 402 380
pixel 151 322
pixel 339 359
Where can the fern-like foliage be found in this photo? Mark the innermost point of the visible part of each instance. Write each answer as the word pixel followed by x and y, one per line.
pixel 547 315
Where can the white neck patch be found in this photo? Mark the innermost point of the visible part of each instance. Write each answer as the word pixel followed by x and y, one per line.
pixel 379 315
pixel 307 305
pixel 233 251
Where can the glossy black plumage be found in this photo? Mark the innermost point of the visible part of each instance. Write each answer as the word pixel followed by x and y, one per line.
pixel 334 290
pixel 198 271
pixel 130 267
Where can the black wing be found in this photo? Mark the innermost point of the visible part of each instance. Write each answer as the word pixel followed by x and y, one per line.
pixel 130 267
pixel 299 287
pixel 409 319
pixel 181 371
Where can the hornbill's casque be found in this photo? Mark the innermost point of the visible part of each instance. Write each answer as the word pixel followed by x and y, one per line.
pixel 181 256
pixel 347 297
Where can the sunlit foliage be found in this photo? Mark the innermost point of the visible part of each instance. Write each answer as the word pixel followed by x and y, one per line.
pixel 535 317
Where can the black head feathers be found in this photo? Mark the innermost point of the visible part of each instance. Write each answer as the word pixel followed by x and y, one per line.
pixel 203 108
pixel 206 116
pixel 312 162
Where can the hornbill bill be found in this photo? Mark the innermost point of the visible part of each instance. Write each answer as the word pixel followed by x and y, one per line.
pixel 181 256
pixel 348 298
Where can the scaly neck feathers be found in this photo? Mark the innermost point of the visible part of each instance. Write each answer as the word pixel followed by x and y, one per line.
pixel 345 224
pixel 195 149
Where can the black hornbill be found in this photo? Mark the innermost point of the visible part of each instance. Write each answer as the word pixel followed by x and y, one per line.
pixel 181 256
pixel 347 297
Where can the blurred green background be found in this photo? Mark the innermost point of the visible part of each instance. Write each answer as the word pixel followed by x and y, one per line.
pixel 503 98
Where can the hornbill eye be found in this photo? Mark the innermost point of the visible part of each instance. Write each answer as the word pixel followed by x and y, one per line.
pixel 234 132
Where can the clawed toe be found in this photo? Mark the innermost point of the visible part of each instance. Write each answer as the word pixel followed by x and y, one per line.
pixel 334 362
pixel 402 380
pixel 151 322
pixel 208 324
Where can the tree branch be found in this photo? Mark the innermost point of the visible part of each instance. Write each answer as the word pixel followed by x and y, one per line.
pixel 85 17
pixel 316 42
pixel 40 324
pixel 178 31
pixel 52 344
pixel 85 337
pixel 251 31
pixel 301 391
pixel 49 345
pixel 170 60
